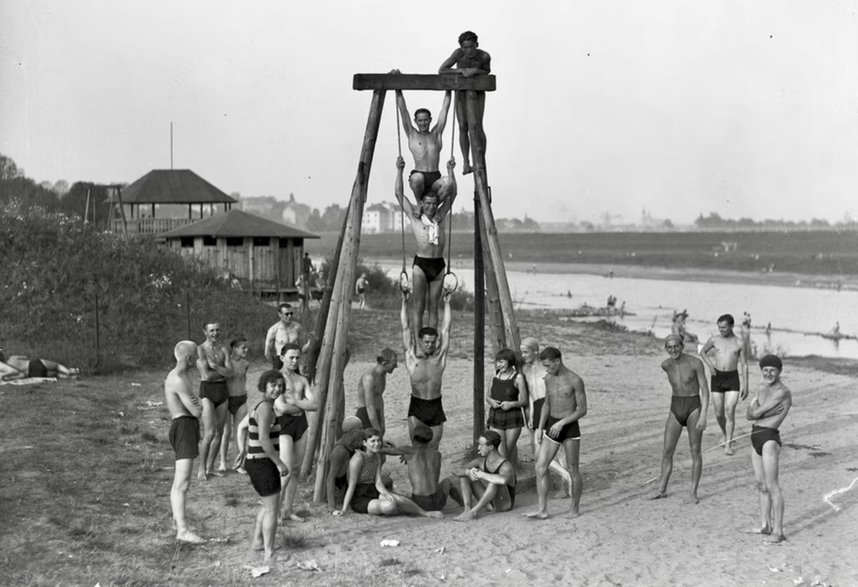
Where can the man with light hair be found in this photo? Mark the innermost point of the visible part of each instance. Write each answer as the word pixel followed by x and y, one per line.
pixel 185 410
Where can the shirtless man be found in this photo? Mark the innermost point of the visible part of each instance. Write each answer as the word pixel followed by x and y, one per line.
pixel 729 384
pixel 425 146
pixel 290 410
pixel 565 405
pixel 424 471
pixel 338 459
pixel 236 405
pixel 534 374
pixel 215 366
pixel 490 478
pixel 427 224
pixel 22 367
pixel 688 407
pixel 426 366
pixel 185 410
pixel 768 411
pixel 361 286
pixel 469 61
pixel 371 386
pixel 281 333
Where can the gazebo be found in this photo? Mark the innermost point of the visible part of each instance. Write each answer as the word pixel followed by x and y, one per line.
pixel 262 255
pixel 165 199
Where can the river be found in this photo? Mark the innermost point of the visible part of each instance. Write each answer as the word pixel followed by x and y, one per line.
pixel 798 316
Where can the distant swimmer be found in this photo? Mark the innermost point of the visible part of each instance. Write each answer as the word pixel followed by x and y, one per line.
pixel 370 400
pixel 428 268
pixel 565 405
pixel 185 411
pixel 729 384
pixel 425 145
pixel 688 407
pixel 489 479
pixel 768 411
pixel 469 60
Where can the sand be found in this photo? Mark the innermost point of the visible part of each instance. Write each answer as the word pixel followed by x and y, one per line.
pixel 621 538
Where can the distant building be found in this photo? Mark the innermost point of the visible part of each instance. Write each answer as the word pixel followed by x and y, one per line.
pixel 380 218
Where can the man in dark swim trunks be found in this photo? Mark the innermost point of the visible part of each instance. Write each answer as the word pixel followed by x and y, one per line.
pixel 565 404
pixel 370 402
pixel 768 411
pixel 185 410
pixel 490 478
pixel 22 367
pixel 215 366
pixel 688 407
pixel 426 366
pixel 729 381
pixel 427 224
pixel 469 61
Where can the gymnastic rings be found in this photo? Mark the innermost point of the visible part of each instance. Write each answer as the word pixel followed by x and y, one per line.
pixel 404 282
pixel 451 282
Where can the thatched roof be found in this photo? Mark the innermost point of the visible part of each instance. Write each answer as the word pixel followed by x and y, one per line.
pixel 236 223
pixel 173 186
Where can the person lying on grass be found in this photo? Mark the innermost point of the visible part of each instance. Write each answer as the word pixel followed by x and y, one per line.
pixel 22 367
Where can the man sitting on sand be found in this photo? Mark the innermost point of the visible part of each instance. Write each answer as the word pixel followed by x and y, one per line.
pixel 729 383
pixel 490 478
pixel 426 364
pixel 768 411
pixel 22 367
pixel 371 386
pixel 424 471
pixel 688 407
pixel 565 405
pixel 185 410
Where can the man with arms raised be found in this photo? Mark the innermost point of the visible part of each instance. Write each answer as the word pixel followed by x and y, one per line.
pixel 688 407
pixel 281 333
pixel 426 359
pixel 425 146
pixel 534 374
pixel 371 386
pixel 490 478
pixel 565 405
pixel 768 411
pixel 729 384
pixel 185 410
pixel 427 224
pixel 290 408
pixel 215 366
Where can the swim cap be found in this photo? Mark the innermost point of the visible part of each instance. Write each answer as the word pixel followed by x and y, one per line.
pixel 772 361
pixel 351 422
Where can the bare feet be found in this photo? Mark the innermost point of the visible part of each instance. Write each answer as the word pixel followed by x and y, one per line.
pixel 261 546
pixel 573 513
pixel 241 470
pixel 659 495
pixel 466 516
pixel 538 515
pixel 201 476
pixel 693 499
pixel 222 468
pixel 436 515
pixel 189 537
pixel 216 473
pixel 292 517
pixel 728 450
pixel 777 539
pixel 466 168
pixel 765 530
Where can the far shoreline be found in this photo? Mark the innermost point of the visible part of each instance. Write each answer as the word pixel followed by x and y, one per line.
pixel 721 276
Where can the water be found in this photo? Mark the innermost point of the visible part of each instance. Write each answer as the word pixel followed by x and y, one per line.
pixel 797 315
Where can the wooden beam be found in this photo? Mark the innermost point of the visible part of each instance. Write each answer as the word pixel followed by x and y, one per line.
pixel 413 81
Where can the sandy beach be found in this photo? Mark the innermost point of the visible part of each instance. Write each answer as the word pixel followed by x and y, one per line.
pixel 621 538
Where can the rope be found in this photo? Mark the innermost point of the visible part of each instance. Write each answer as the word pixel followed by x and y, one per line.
pixel 403 275
pixel 454 286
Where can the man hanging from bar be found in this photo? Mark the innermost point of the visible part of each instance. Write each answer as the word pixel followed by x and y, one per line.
pixel 469 61
pixel 425 146
pixel 427 224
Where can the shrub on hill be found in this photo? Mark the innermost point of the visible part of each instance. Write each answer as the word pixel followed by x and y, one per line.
pixel 90 299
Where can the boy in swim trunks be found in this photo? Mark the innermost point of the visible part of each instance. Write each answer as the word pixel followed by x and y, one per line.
pixel 490 478
pixel 215 366
pixel 427 224
pixel 565 405
pixel 185 410
pixel 729 382
pixel 425 367
pixel 688 407
pixel 237 400
pixel 768 411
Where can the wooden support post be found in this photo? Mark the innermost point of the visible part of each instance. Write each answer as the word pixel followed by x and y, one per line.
pixel 337 331
pixel 481 184
pixel 479 325
pixel 122 211
pixel 493 305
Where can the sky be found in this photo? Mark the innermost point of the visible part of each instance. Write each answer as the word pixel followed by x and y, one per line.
pixel 746 108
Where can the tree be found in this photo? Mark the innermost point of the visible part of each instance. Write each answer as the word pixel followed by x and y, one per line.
pixel 8 169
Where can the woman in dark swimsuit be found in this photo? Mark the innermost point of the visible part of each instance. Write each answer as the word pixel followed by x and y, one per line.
pixel 506 399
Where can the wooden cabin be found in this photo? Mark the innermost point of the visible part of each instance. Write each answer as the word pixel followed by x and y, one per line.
pixel 260 254
pixel 165 199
